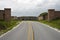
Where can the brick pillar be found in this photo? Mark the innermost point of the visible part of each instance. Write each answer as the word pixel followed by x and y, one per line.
pixel 51 14
pixel 7 14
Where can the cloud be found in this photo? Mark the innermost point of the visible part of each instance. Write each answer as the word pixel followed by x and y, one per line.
pixel 29 7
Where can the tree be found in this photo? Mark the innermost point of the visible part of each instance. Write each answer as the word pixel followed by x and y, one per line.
pixel 44 13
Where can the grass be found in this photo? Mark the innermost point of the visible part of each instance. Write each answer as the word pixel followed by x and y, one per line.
pixel 9 26
pixel 53 23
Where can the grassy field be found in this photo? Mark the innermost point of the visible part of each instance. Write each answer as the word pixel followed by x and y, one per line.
pixel 53 23
pixel 7 26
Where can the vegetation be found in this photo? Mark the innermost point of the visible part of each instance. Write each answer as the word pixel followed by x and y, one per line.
pixel 53 23
pixel 5 26
pixel 44 13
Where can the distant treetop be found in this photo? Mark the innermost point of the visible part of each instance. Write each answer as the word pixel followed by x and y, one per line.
pixel 44 13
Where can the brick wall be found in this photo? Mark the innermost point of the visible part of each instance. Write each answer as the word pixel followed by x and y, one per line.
pixel 1 14
pixel 46 16
pixel 52 14
pixel 57 14
pixel 40 18
pixel 5 14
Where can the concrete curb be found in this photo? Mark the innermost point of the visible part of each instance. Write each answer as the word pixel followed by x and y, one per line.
pixel 11 29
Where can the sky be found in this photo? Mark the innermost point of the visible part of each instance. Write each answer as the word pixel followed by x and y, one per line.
pixel 29 7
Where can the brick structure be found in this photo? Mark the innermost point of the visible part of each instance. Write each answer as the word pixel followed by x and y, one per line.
pixel 40 17
pixel 14 17
pixel 27 18
pixel 5 14
pixel 57 14
pixel 1 14
pixel 44 17
pixel 52 14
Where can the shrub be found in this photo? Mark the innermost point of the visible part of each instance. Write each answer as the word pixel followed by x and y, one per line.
pixel 3 25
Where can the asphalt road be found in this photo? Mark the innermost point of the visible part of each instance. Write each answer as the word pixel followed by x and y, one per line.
pixel 20 33
pixel 41 32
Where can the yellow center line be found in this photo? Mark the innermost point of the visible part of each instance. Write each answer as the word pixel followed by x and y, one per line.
pixel 30 32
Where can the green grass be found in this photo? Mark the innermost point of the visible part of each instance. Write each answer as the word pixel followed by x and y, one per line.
pixel 9 26
pixel 53 23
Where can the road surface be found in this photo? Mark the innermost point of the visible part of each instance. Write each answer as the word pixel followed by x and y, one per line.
pixel 42 32
pixel 26 29
pixel 20 33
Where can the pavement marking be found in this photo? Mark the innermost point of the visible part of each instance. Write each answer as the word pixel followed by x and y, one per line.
pixel 51 27
pixel 30 32
pixel 11 29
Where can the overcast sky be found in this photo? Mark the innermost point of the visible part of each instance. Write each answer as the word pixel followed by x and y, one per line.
pixel 29 7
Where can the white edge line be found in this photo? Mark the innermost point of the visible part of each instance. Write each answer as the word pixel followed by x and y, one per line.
pixel 11 29
pixel 51 27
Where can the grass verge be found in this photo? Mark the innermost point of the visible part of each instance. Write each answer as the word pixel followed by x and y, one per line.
pixel 53 23
pixel 9 26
